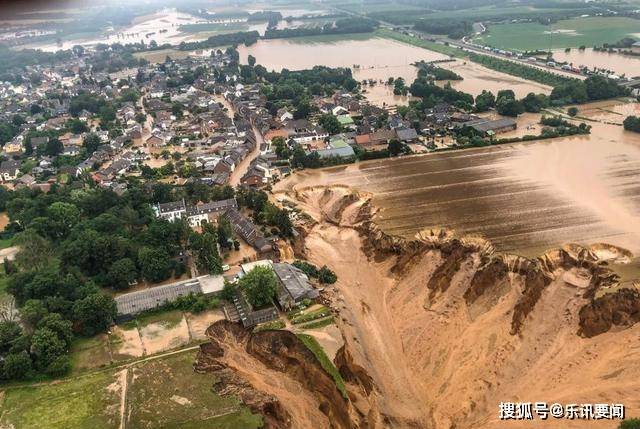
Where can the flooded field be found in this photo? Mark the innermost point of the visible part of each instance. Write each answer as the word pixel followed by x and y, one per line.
pixel 524 198
pixel 379 59
pixel 620 64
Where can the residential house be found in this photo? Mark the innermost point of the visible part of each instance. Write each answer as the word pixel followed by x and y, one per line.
pixel 9 170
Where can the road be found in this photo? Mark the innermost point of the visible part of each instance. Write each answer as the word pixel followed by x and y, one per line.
pixel 467 46
pixel 242 168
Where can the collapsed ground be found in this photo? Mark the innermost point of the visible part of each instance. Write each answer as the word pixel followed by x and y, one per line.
pixel 438 331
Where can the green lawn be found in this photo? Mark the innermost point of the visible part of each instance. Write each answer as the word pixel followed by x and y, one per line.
pixel 81 403
pixel 313 345
pixel 563 34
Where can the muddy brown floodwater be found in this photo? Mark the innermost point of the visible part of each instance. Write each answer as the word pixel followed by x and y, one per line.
pixel 379 59
pixel 523 198
pixel 620 64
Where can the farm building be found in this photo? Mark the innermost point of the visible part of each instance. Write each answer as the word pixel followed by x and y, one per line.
pixel 488 127
pixel 130 304
pixel 294 286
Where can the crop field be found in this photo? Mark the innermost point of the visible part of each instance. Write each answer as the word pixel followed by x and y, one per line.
pixel 401 14
pixel 162 393
pixel 562 34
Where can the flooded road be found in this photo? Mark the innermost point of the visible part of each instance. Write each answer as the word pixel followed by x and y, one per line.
pixel 524 198
pixel 620 64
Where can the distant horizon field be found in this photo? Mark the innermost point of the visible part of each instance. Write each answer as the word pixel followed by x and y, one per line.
pixel 570 33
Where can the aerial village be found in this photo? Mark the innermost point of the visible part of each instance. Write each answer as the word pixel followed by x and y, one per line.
pixel 225 132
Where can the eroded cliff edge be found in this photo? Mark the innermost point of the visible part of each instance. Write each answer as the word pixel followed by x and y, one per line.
pixel 437 329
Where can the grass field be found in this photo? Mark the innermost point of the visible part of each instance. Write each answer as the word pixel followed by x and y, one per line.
pixel 313 345
pixel 82 403
pixel 163 393
pixel 426 44
pixel 330 38
pixel 168 394
pixel 563 34
pixel 89 353
pixel 160 55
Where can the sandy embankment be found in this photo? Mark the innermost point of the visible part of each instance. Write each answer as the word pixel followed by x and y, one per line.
pixel 438 331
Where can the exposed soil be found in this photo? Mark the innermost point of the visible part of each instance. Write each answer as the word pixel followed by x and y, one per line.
pixel 439 330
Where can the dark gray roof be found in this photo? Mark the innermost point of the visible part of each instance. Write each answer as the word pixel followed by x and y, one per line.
pixel 212 207
pixel 136 302
pixel 406 134
pixel 246 229
pixel 484 125
pixel 295 282
pixel 172 206
pixel 341 152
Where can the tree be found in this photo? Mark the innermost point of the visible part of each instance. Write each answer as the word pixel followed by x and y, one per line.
pixel 59 367
pixel 330 123
pixel 9 332
pixel 534 103
pixel 228 291
pixel 16 366
pixel 572 111
pixel 225 233
pixel 46 347
pixel 259 285
pixel 35 251
pixel 630 424
pixel 53 147
pixel 57 324
pixel 91 143
pixel 326 276
pixel 94 313
pixel 632 123
pixel 107 114
pixel 507 93
pixel 62 217
pixel 281 147
pixel 176 110
pixel 251 60
pixel 205 248
pixel 32 312
pixel 485 101
pixel 122 273
pixel 302 111
pixel 509 106
pixel 155 264
pixel 395 147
